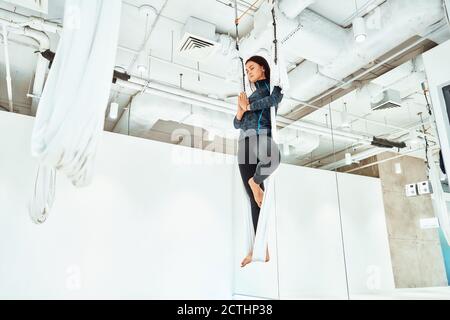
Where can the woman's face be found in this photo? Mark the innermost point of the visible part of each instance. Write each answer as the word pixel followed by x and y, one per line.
pixel 255 72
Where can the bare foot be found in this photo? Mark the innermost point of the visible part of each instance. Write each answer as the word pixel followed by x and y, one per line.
pixel 267 256
pixel 248 259
pixel 258 193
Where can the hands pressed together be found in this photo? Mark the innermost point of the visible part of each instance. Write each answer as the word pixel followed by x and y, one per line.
pixel 243 105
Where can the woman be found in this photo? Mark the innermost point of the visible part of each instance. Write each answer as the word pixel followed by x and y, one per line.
pixel 258 154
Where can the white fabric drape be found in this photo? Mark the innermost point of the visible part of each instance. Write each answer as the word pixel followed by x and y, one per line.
pixel 258 243
pixel 71 112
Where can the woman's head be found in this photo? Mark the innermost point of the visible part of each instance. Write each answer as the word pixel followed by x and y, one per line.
pixel 257 69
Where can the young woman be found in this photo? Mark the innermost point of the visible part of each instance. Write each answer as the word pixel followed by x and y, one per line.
pixel 258 154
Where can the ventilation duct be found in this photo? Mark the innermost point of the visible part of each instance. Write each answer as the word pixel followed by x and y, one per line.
pixel 397 22
pixel 292 8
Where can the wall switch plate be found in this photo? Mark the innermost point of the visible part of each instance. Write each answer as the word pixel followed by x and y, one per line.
pixel 411 190
pixel 424 188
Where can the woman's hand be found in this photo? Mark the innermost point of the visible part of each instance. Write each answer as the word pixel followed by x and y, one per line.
pixel 244 103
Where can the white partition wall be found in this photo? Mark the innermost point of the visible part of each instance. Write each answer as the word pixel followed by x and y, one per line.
pixel 365 234
pixel 311 259
pixel 153 226
pixel 147 228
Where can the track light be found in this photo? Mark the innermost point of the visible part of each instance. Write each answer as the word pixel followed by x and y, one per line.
pixel 359 29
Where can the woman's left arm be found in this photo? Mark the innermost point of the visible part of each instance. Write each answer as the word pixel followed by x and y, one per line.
pixel 273 100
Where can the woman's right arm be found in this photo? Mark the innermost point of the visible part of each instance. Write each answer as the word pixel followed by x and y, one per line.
pixel 238 119
pixel 242 100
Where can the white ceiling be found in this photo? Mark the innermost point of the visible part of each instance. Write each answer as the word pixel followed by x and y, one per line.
pixel 166 36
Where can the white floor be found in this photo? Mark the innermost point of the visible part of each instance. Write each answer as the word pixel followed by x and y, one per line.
pixel 398 294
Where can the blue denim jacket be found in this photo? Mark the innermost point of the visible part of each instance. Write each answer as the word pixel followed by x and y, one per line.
pixel 258 119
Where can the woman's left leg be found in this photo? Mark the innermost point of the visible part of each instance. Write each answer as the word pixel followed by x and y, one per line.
pixel 269 158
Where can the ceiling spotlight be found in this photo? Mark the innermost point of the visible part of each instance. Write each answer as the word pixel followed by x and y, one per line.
pixel 359 29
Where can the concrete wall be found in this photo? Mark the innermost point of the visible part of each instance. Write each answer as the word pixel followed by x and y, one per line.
pixel 416 253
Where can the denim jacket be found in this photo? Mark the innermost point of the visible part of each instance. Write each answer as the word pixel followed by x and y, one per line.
pixel 258 119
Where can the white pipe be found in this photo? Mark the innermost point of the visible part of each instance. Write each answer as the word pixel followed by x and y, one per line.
pixel 309 36
pixel 42 63
pixel 228 108
pixel 36 23
pixel 357 157
pixel 8 70
pixel 292 8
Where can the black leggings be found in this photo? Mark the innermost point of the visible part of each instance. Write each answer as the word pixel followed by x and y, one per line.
pixel 259 157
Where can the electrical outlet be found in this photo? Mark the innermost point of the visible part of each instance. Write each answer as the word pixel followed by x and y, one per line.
pixel 411 190
pixel 424 188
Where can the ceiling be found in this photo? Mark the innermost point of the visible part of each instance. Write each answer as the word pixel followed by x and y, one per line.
pixel 163 43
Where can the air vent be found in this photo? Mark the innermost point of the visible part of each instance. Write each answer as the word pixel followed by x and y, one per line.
pixel 193 42
pixel 197 42
pixel 35 5
pixel 389 99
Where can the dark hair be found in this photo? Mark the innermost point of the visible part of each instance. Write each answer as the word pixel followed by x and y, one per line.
pixel 263 63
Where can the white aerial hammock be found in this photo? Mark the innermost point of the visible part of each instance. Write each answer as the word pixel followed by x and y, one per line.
pixel 71 112
pixel 258 243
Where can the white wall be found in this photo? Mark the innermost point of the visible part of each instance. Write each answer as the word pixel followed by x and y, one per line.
pixel 306 239
pixel 146 228
pixel 310 245
pixel 150 227
pixel 366 240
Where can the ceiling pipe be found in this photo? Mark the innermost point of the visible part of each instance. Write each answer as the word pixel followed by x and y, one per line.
pixel 308 35
pixel 34 22
pixel 42 63
pixel 292 8
pixel 8 68
pixel 394 22
pixel 368 71
pixel 188 97
pixel 356 157
pixel 375 150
